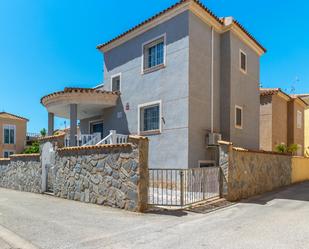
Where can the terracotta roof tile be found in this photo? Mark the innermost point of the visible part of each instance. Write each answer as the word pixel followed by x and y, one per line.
pixel 11 116
pixel 219 20
pixel 78 90
pixel 92 147
pixel 46 138
pixel 269 91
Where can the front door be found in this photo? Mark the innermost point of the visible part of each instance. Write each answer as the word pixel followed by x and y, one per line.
pixel 97 127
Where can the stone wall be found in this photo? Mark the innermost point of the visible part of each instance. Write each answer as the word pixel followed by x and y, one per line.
pixel 21 172
pixel 113 175
pixel 250 173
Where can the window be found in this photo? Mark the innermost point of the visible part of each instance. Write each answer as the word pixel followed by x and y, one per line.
pixel 116 81
pixel 150 118
pixel 299 119
pixel 9 134
pixel 154 54
pixel 6 154
pixel 243 61
pixel 238 117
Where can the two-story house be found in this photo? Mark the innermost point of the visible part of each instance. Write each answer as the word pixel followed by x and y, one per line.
pixel 184 78
pixel 13 134
pixel 281 119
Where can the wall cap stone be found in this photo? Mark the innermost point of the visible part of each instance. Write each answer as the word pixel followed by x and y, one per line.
pixel 25 155
pixel 138 137
pixel 239 149
pixel 93 147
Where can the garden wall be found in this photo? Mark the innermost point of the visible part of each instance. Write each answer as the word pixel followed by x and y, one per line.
pixel 247 173
pixel 113 175
pixel 21 172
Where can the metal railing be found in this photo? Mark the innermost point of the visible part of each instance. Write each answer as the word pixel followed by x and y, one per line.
pixel 114 138
pixel 182 187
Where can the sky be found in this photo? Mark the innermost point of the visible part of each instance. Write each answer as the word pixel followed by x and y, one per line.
pixel 46 45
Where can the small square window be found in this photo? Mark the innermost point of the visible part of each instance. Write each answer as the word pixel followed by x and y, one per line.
pixel 116 81
pixel 238 117
pixel 150 118
pixel 153 53
pixel 299 119
pixel 243 61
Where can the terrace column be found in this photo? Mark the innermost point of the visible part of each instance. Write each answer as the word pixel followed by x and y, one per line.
pixel 73 124
pixel 50 124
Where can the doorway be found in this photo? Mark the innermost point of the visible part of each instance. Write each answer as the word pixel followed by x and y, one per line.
pixel 97 127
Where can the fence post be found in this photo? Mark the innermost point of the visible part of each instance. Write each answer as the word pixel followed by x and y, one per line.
pixel 181 188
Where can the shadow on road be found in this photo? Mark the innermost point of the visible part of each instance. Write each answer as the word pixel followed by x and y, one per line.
pixel 297 192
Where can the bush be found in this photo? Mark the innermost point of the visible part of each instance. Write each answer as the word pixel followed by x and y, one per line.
pixel 282 148
pixel 34 148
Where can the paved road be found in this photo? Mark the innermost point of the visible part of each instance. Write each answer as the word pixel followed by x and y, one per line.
pixel 276 220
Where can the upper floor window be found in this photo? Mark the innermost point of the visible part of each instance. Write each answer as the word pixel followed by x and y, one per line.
pixel 150 117
pixel 238 117
pixel 299 119
pixel 9 134
pixel 243 61
pixel 154 54
pixel 116 81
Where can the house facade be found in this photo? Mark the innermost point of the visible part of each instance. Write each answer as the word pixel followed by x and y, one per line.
pixel 281 120
pixel 184 78
pixel 13 134
pixel 305 97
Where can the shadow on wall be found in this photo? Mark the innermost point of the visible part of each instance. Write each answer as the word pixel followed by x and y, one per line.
pixel 132 49
pixel 297 192
pixel 115 118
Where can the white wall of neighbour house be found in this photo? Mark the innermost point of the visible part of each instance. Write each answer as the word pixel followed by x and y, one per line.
pixel 169 85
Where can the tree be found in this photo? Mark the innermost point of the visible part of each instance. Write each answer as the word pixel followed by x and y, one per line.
pixel 43 132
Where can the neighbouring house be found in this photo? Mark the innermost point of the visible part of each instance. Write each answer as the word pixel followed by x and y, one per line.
pixel 184 78
pixel 305 97
pixel 281 119
pixel 13 134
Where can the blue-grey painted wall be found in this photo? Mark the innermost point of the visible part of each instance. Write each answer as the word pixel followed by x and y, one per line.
pixel 183 86
pixel 170 85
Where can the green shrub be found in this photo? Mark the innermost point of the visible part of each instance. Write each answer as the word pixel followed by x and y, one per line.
pixel 34 148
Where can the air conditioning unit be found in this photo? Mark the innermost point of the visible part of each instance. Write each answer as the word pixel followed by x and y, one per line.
pixel 213 139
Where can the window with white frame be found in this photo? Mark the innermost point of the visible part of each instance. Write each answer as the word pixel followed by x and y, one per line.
pixel 116 81
pixel 7 154
pixel 299 119
pixel 153 53
pixel 243 61
pixel 9 134
pixel 238 117
pixel 150 117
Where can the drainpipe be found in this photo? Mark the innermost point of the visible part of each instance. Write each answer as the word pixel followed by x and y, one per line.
pixel 212 81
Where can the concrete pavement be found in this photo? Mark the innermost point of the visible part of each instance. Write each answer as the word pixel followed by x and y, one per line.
pixel 274 220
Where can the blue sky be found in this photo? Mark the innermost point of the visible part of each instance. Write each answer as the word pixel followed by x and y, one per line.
pixel 46 45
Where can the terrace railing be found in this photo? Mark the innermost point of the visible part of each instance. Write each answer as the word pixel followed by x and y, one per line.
pixel 114 138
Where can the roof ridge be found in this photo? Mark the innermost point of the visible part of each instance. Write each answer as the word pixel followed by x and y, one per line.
pixel 198 2
pixel 16 116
